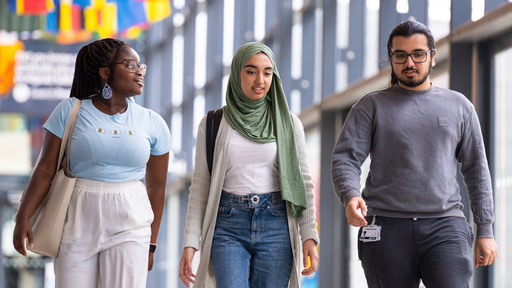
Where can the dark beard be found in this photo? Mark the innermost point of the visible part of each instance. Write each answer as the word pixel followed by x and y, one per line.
pixel 415 83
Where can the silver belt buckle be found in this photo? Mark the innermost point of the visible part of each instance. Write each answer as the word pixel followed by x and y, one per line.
pixel 255 199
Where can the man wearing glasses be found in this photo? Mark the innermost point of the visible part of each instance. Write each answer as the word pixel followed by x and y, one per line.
pixel 410 211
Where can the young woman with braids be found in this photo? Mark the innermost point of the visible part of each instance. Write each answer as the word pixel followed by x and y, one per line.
pixel 113 218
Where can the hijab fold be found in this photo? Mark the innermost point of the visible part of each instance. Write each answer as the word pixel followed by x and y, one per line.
pixel 267 120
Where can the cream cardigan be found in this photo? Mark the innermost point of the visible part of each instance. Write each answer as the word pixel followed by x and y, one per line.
pixel 204 201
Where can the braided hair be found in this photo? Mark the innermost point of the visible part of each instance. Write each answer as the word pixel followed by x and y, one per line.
pixel 407 29
pixel 93 56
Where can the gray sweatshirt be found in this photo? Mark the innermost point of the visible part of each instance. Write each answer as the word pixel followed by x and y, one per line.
pixel 414 139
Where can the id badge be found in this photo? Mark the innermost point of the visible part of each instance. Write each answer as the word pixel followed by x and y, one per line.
pixel 370 233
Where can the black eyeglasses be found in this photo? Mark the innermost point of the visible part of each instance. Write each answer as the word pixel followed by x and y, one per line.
pixel 135 67
pixel 417 57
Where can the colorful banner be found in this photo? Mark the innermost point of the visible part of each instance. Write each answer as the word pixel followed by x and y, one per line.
pixel 7 54
pixel 71 21
pixel 32 7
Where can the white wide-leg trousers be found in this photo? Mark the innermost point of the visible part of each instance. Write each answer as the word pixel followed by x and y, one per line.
pixel 106 236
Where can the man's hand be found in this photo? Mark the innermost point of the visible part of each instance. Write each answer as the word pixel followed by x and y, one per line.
pixel 486 251
pixel 354 217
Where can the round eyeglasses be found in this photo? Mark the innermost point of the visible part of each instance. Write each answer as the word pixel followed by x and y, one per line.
pixel 417 57
pixel 134 66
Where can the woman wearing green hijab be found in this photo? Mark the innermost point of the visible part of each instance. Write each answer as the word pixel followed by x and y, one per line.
pixel 254 216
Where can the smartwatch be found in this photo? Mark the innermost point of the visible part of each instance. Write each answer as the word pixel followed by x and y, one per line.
pixel 152 248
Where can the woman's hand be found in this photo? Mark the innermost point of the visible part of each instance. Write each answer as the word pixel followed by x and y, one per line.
pixel 186 274
pixel 309 251
pixel 22 230
pixel 151 261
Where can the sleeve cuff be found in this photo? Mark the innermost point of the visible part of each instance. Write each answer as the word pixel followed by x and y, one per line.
pixel 348 195
pixel 484 230
pixel 191 241
pixel 317 242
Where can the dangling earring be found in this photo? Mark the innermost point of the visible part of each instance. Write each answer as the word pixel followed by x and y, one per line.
pixel 107 91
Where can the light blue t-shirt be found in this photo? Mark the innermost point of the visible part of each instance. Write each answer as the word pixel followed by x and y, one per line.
pixel 111 148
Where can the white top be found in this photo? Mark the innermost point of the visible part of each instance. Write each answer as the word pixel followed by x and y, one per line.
pixel 252 167
pixel 204 197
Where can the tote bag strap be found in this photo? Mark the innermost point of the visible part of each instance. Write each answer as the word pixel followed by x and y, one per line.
pixel 68 131
pixel 66 139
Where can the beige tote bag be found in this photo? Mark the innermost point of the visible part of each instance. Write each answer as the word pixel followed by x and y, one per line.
pixel 48 220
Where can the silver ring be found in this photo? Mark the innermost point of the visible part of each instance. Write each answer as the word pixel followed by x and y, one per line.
pixel 255 199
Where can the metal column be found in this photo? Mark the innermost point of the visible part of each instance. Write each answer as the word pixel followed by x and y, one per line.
pixel 354 55
pixel 284 53
pixel 329 52
pixel 460 13
pixel 244 23
pixel 187 106
pixel 308 55
pixel 214 65
pixel 388 19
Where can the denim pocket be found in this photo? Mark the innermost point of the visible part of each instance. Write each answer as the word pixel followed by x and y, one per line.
pixel 225 211
pixel 277 210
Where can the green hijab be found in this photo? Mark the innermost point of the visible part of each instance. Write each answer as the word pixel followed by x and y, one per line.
pixel 267 120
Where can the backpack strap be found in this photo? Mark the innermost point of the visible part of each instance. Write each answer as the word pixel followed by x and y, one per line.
pixel 212 127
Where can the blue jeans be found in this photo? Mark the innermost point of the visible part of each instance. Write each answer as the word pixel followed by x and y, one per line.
pixel 251 243
pixel 436 250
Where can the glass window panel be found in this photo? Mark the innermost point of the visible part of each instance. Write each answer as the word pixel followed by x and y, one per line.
pixel 199 112
pixel 176 131
pixel 259 20
pixel 439 17
pixel 441 80
pixel 313 142
pixel 296 72
pixel 477 9
pixel 295 102
pixel 503 166
pixel 200 50
pixel 229 23
pixel 342 23
pixel 371 31
pixel 177 70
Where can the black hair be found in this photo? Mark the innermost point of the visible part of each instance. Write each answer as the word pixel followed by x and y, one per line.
pixel 407 29
pixel 93 56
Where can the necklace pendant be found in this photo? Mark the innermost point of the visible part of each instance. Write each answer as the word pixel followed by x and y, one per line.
pixel 109 109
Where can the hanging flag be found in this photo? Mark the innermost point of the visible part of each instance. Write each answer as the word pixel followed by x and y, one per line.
pixel 101 17
pixel 70 24
pixel 157 10
pixel 52 23
pixel 12 6
pixel 82 3
pixel 65 16
pixel 7 54
pixel 130 13
pixel 32 7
